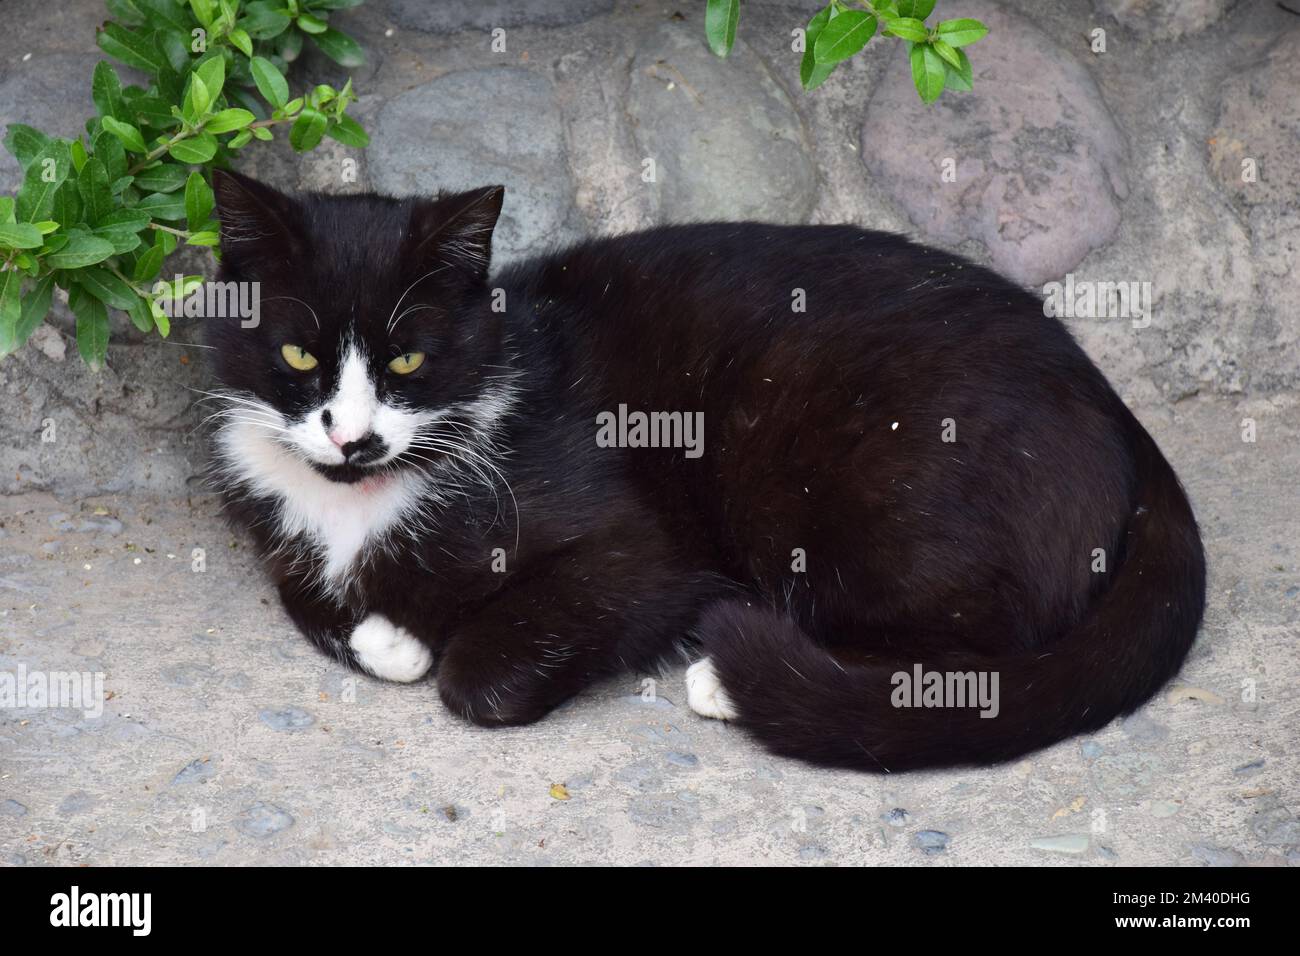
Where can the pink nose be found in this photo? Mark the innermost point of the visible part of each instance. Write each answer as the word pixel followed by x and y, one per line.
pixel 338 438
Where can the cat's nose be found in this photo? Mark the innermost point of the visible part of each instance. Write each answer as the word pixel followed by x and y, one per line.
pixel 358 448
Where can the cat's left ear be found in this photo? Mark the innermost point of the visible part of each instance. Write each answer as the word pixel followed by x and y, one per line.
pixel 456 230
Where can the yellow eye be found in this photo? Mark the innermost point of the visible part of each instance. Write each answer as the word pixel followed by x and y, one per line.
pixel 298 358
pixel 406 364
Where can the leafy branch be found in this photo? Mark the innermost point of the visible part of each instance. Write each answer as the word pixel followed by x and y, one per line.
pixel 840 31
pixel 98 215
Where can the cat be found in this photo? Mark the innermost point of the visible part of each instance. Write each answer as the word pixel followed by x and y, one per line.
pixel 904 471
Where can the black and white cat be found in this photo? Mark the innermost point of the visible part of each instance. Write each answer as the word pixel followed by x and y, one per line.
pixel 917 474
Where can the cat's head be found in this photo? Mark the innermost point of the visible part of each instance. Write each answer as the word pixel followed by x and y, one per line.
pixel 373 349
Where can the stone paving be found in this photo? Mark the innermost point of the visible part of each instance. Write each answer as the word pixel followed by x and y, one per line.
pixel 225 739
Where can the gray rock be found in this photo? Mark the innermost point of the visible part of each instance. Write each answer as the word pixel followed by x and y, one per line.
pixel 76 802
pixel 1165 19
pixel 1039 160
pixel 1217 856
pixel 12 808
pixel 724 137
pixel 477 128
pixel 896 817
pixel 681 759
pixel 1070 843
pixel 196 771
pixel 262 820
pixel 290 718
pixel 453 16
pixel 931 842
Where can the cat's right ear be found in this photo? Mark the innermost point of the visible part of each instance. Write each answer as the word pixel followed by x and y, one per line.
pixel 257 231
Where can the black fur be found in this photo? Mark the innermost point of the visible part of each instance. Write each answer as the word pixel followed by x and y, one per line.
pixel 823 432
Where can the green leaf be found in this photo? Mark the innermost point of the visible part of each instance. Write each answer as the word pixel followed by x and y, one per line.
pixel 348 132
pixel 205 238
pixel 927 72
pixel 197 100
pixel 96 196
pixel 307 130
pixel 213 73
pixel 198 201
pixel 140 315
pixel 122 222
pixel 227 120
pixel 844 36
pixel 133 49
pixel 66 207
pixel 950 55
pixel 205 11
pixel 720 20
pixel 239 140
pixel 149 264
pixel 20 235
pixel 47 172
pixel 811 75
pixel 289 46
pixel 127 134
pixel 92 326
pixel 163 178
pixel 958 78
pixel 25 143
pixel 108 149
pixel 106 90
pixel 340 48
pixel 106 287
pixel 908 29
pixel 166 11
pixel 196 149
pixel 916 9
pixel 11 309
pixel 264 20
pixel 963 32
pixel 126 11
pixel 309 24
pixel 81 251
pixel 150 110
pixel 270 82
pixel 169 206
pixel 36 305
pixel 241 41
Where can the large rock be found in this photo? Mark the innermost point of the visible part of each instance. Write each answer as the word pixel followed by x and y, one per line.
pixel 452 16
pixel 1039 160
pixel 475 128
pixel 1165 19
pixel 724 137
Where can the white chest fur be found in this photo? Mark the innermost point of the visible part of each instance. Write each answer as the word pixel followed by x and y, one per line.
pixel 342 521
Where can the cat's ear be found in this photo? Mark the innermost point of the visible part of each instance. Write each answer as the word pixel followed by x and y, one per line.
pixel 456 231
pixel 258 232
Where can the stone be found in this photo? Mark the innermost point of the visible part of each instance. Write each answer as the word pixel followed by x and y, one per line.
pixel 724 137
pixel 931 842
pixel 262 820
pixel 290 718
pixel 1038 158
pixel 453 16
pixel 481 127
pixel 1165 19
pixel 1070 843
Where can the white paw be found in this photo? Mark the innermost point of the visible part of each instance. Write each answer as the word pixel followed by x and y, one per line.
pixel 388 651
pixel 704 692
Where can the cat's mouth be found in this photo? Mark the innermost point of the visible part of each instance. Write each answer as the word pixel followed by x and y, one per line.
pixel 349 474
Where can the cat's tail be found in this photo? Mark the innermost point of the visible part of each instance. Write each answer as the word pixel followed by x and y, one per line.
pixel 796 698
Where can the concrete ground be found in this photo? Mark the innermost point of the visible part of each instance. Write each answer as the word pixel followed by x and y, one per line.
pixel 225 739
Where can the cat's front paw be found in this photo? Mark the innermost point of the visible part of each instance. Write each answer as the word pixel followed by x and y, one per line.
pixel 705 693
pixel 388 651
